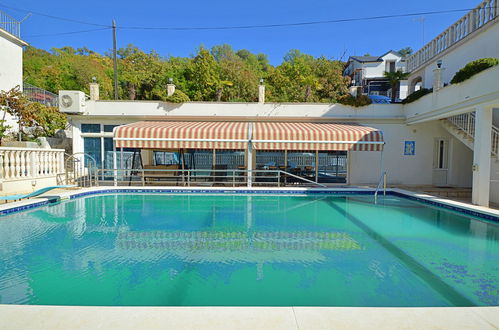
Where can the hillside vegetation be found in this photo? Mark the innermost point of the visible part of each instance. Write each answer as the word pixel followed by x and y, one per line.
pixel 216 74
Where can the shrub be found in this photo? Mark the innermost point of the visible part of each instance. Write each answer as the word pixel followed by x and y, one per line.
pixel 177 97
pixel 473 68
pixel 416 95
pixel 359 101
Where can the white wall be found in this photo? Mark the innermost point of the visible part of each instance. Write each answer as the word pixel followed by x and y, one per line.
pixel 11 63
pixel 11 67
pixel 494 184
pixel 406 170
pixel 482 88
pixel 485 43
pixel 461 162
pixel 162 110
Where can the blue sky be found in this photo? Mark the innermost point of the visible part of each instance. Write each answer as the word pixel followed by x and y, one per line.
pixel 330 40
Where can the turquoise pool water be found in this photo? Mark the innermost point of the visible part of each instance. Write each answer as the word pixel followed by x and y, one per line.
pixel 247 250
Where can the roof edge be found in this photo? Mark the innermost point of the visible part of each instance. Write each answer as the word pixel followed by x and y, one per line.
pixel 13 38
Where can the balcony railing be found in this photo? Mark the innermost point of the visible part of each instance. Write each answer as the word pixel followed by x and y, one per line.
pixel 40 95
pixel 466 123
pixel 28 163
pixel 10 24
pixel 482 15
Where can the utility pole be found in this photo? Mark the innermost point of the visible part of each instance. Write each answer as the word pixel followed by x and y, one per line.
pixel 421 20
pixel 115 60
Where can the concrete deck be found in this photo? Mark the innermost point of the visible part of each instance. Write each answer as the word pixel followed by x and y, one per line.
pixel 69 317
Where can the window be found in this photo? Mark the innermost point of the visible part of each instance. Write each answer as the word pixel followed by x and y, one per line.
pixel 332 166
pixel 390 66
pixel 109 128
pixel 92 147
pixel 166 158
pixel 232 158
pixel 90 128
pixel 269 159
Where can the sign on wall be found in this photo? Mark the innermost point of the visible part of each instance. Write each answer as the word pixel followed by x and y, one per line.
pixel 409 148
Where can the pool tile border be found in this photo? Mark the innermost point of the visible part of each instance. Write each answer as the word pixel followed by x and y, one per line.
pixel 426 199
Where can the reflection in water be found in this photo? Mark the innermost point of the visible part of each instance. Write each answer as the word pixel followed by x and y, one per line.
pixel 244 250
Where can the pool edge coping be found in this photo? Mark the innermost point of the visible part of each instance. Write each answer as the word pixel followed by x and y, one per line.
pixel 461 207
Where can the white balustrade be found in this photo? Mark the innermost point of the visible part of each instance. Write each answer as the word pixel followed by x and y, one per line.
pixel 27 163
pixel 466 123
pixel 483 14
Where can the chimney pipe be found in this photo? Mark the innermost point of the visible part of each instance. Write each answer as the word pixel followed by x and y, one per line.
pixel 170 87
pixel 261 92
pixel 94 90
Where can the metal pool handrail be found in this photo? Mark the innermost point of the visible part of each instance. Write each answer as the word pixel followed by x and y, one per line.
pixel 190 177
pixel 382 179
pixel 302 178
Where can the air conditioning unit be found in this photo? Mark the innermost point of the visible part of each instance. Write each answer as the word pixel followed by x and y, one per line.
pixel 72 101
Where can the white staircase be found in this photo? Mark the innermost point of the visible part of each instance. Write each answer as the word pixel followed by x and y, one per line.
pixel 462 127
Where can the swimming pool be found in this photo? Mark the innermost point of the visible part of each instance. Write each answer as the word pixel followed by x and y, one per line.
pixel 141 249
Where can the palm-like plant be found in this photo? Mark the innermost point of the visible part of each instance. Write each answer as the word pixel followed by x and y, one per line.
pixel 394 78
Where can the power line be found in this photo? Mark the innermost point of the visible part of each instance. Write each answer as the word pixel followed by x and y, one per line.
pixel 65 33
pixel 236 27
pixel 239 27
pixel 52 16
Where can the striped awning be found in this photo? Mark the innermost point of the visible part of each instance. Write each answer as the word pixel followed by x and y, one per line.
pixel 182 135
pixel 316 136
pixel 236 135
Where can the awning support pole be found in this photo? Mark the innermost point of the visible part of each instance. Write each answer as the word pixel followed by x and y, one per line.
pixel 115 172
pixel 250 164
pixel 122 165
pixel 381 163
pixel 250 155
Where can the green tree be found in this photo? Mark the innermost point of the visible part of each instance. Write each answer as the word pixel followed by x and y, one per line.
pixel 220 73
pixel 394 78
pixel 405 51
pixel 203 76
pixel 139 72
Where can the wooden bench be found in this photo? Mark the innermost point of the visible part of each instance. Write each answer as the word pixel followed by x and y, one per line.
pixel 150 175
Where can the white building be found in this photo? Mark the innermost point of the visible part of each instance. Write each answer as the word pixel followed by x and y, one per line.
pixel 445 138
pixel 367 72
pixel 11 56
pixel 473 36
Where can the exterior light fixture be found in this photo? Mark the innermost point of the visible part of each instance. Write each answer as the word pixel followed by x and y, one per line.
pixel 170 80
pixel 261 81
pixel 439 64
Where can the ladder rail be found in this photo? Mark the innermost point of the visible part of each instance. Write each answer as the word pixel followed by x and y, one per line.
pixel 382 180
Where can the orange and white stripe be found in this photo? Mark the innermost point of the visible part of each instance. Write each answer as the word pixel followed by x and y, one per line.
pixel 182 135
pixel 316 136
pixel 236 135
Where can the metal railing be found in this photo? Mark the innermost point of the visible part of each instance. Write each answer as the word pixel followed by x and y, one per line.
pixel 485 13
pixel 466 124
pixel 192 178
pixel 36 94
pixel 10 24
pixel 81 170
pixel 382 180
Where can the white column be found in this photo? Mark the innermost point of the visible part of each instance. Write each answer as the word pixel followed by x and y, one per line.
pixel 250 155
pixel 481 156
pixel 250 164
pixel 115 172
